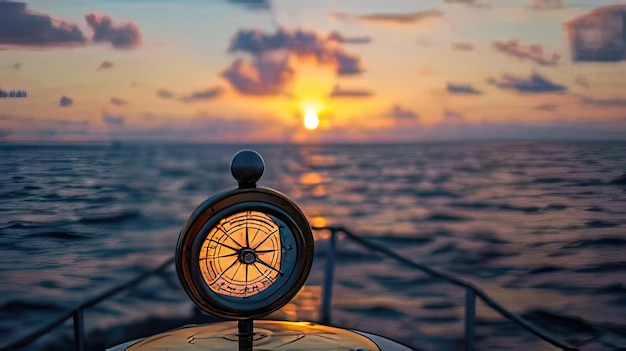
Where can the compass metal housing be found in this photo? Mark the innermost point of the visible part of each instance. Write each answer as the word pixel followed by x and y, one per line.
pixel 241 232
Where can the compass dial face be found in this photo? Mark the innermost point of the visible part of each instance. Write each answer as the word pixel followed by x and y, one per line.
pixel 245 253
pixel 241 256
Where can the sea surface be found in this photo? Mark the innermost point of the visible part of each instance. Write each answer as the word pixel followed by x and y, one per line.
pixel 540 226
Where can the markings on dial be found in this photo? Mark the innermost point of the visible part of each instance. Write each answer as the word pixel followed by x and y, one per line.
pixel 248 238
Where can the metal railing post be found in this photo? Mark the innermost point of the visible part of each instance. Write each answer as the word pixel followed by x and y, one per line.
pixel 79 330
pixel 470 316
pixel 328 278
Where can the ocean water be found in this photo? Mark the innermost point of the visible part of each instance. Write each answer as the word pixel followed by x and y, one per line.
pixel 540 226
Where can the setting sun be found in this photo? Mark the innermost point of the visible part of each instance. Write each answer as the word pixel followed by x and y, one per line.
pixel 311 120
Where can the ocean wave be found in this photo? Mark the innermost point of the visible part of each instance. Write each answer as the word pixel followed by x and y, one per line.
pixel 604 268
pixel 546 269
pixel 621 180
pixel 576 329
pixel 598 223
pixel 402 240
pixel 595 243
pixel 445 217
pixel 505 207
pixel 378 311
pixel 548 180
pixel 64 235
pixel 615 288
pixel 18 306
pixel 351 256
pixel 111 218
pixel 23 225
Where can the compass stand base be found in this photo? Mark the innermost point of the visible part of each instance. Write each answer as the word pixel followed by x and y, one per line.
pixel 246 334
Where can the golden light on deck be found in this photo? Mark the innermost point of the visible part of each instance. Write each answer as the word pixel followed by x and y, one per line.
pixel 311 119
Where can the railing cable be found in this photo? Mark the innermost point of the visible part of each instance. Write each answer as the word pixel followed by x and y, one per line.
pixel 456 281
pixel 77 313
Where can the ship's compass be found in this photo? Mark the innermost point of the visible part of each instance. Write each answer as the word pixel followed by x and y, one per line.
pixel 244 253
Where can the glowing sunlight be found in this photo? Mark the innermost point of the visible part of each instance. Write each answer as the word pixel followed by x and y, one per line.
pixel 311 120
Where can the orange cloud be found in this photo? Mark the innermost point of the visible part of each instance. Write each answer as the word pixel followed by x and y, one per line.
pixel 301 43
pixel 261 77
pixel 532 52
pixel 118 101
pixel 339 92
pixel 105 65
pixel 401 18
pixel 203 95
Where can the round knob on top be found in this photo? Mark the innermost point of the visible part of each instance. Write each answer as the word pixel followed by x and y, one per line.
pixel 247 167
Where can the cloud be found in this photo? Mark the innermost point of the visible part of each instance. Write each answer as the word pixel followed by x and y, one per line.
pixel 203 95
pixel 398 113
pixel 532 52
pixel 535 83
pixel 105 65
pixel 606 102
pixel 29 128
pixel 165 94
pixel 597 36
pixel 339 92
pixel 473 3
pixel 340 15
pixel 348 64
pixel 401 18
pixel 253 4
pixel 460 46
pixel 452 117
pixel 462 89
pixel 22 27
pixel 120 36
pixel 113 120
pixel 206 128
pixel 546 107
pixel 228 128
pixel 4 133
pixel 301 43
pixel 118 101
pixel 338 37
pixel 65 101
pixel 453 127
pixel 548 130
pixel 582 81
pixel 547 4
pixel 261 77
pixel 46 133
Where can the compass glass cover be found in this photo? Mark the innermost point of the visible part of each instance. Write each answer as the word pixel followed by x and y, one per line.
pixel 244 254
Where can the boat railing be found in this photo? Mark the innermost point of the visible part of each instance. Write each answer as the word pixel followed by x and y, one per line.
pixel 472 292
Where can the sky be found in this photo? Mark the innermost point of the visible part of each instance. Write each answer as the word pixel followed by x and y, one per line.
pixel 357 70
